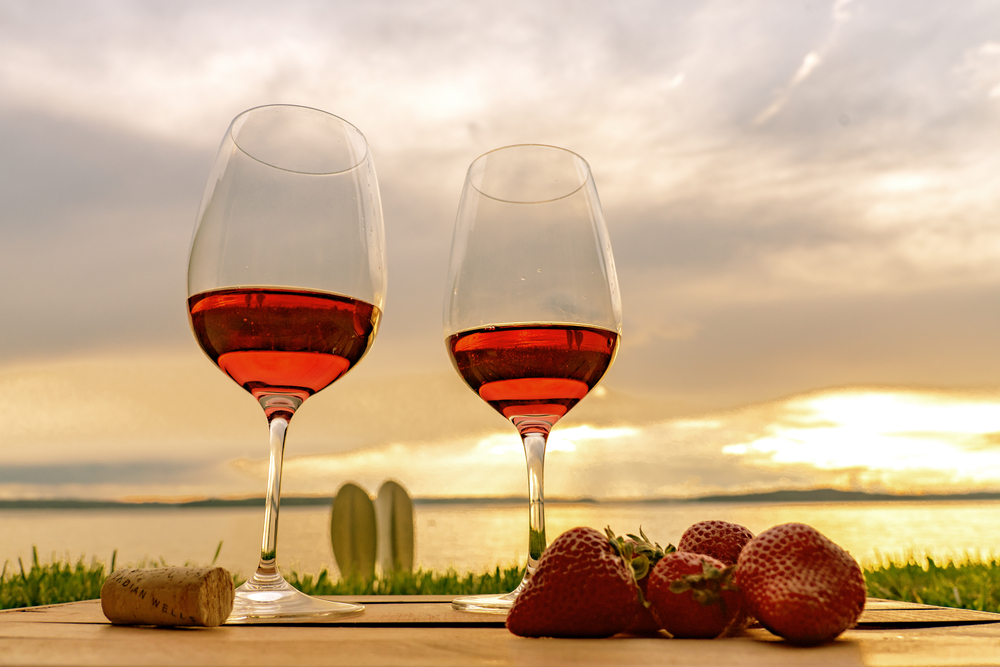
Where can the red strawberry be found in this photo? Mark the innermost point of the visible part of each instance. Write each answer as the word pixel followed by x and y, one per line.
pixel 643 622
pixel 583 587
pixel 692 596
pixel 719 539
pixel 645 556
pixel 800 585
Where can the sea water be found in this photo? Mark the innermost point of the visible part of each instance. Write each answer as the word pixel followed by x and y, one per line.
pixel 474 537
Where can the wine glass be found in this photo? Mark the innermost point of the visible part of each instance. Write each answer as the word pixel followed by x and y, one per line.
pixel 532 314
pixel 286 282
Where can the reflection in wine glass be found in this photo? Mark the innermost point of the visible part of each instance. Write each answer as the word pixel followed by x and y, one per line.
pixel 286 282
pixel 532 315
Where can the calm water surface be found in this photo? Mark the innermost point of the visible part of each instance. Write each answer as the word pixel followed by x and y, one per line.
pixel 475 537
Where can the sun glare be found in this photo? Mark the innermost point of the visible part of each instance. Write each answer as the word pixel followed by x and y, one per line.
pixel 884 431
pixel 873 439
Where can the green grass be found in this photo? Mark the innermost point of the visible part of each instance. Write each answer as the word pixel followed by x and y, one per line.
pixel 49 583
pixel 421 582
pixel 63 581
pixel 967 584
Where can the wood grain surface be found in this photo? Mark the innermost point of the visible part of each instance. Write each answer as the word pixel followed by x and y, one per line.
pixel 417 630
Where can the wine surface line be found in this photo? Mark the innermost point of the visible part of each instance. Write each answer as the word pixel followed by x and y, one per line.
pixel 281 341
pixel 533 371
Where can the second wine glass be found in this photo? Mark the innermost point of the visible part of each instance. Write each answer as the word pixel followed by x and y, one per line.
pixel 532 315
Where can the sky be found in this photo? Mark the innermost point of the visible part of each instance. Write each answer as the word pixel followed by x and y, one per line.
pixel 801 197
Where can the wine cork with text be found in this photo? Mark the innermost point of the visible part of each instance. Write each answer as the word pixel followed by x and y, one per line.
pixel 168 596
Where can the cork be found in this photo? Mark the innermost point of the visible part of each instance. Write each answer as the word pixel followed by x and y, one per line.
pixel 168 596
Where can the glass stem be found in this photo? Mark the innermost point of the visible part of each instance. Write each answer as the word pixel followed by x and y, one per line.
pixel 267 570
pixel 534 454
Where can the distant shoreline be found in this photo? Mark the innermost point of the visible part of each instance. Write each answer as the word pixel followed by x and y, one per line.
pixel 788 496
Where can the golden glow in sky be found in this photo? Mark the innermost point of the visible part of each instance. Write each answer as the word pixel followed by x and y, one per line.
pixel 133 433
pixel 888 437
pixel 877 440
pixel 802 203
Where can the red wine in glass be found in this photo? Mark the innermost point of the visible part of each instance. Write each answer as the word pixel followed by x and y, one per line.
pixel 282 341
pixel 533 373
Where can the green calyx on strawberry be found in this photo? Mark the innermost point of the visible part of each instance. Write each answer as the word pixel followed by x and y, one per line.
pixel 639 551
pixel 644 555
pixel 692 596
pixel 583 587
pixel 706 586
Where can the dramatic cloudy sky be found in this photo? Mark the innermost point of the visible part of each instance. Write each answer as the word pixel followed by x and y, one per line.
pixel 802 197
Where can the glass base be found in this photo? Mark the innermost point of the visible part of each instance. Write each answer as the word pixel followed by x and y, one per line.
pixel 484 604
pixel 278 602
pixel 489 604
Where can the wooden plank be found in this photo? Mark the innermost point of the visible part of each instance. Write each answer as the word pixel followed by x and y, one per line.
pixel 436 611
pixel 77 635
pixel 927 617
pixel 88 611
pixel 84 645
pixel 390 599
pixel 880 613
pixel 413 612
pixel 945 646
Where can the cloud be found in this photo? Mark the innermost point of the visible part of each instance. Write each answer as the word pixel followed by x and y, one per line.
pixel 980 68
pixel 96 226
pixel 894 440
pixel 170 426
pixel 756 260
pixel 87 474
pixel 810 62
pixel 878 440
pixel 773 348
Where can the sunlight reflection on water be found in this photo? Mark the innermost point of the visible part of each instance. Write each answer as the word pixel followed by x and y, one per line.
pixel 477 537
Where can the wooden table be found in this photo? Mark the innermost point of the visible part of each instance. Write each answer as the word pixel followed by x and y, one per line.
pixel 425 630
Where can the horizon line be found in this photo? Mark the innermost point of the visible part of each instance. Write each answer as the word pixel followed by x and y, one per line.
pixel 823 495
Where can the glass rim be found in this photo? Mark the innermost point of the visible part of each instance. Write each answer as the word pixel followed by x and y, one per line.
pixel 361 160
pixel 534 201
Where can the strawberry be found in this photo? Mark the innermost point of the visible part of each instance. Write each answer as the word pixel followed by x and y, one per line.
pixel 692 596
pixel 800 585
pixel 719 539
pixel 645 556
pixel 583 587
